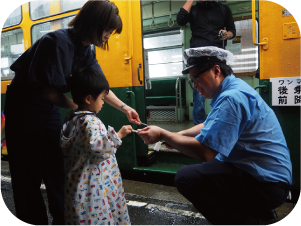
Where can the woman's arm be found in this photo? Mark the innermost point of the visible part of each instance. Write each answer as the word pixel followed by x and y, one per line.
pixel 58 98
pixel 114 101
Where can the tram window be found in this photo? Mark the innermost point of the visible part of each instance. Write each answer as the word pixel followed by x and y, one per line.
pixel 44 8
pixel 164 54
pixel 41 29
pixel 14 18
pixel 68 5
pixel 12 46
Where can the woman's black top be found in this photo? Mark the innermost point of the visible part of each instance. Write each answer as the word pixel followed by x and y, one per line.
pixel 51 61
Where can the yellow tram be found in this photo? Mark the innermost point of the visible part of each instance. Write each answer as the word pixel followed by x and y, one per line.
pixel 267 39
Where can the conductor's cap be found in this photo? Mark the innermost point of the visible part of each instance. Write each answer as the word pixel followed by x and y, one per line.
pixel 201 55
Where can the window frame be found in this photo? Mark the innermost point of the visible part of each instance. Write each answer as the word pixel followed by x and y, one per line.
pixel 52 15
pixel 5 78
pixel 46 21
pixel 5 27
pixel 165 33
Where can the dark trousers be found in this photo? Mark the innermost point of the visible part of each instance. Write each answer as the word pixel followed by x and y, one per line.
pixel 227 195
pixel 33 144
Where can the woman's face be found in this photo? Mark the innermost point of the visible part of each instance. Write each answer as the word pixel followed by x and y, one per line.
pixel 104 38
pixel 106 35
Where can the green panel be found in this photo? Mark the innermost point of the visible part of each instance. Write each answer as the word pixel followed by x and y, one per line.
pixel 176 158
pixel 289 119
pixel 141 148
pixel 168 163
pixel 110 116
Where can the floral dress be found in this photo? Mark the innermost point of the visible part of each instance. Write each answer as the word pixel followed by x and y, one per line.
pixel 94 191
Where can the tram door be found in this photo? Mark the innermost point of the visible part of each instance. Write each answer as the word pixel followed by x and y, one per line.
pixel 123 67
pixel 279 40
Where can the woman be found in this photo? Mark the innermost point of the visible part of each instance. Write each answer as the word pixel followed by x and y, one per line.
pixel 42 76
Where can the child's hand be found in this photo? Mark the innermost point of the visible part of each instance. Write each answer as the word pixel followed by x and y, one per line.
pixel 125 130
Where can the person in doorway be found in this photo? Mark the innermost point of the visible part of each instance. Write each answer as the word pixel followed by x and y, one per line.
pixel 207 19
pixel 246 170
pixel 211 24
pixel 89 149
pixel 42 76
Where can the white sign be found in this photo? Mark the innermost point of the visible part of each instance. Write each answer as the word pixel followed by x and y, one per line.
pixel 286 91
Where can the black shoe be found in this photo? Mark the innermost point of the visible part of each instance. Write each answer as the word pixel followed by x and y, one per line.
pixel 268 215
pixel 268 218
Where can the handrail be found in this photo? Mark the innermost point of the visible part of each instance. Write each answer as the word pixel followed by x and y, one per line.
pixel 264 44
pixel 260 86
pixel 180 97
pixel 127 58
pixel 133 105
pixel 138 71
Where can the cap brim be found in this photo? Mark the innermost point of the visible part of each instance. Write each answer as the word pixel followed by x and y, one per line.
pixel 186 70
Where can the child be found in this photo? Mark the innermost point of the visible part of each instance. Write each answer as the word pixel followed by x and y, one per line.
pixel 94 192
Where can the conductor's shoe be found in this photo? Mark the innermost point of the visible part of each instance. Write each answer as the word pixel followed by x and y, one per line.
pixel 268 215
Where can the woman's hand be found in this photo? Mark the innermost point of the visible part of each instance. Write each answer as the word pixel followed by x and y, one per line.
pixel 132 115
pixel 130 112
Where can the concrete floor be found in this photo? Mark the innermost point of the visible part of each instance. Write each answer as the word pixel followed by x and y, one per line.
pixel 136 190
pixel 171 194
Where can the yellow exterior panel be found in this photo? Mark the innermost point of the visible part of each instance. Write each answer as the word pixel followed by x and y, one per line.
pixel 282 56
pixel 4 86
pixel 125 49
pixel 112 62
pixel 137 46
pixel 291 30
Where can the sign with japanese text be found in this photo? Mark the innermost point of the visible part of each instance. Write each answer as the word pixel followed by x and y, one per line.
pixel 286 91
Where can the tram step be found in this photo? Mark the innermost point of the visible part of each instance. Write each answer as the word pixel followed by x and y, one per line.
pixel 160 168
pixel 162 148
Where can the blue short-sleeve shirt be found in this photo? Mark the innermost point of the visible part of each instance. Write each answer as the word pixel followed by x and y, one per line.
pixel 244 130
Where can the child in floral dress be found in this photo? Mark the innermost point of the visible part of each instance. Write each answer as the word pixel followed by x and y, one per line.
pixel 94 191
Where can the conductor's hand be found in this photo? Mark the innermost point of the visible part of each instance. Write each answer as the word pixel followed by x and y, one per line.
pixel 125 130
pixel 150 134
pixel 132 115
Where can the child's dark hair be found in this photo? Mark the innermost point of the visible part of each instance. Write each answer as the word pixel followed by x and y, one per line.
pixel 86 82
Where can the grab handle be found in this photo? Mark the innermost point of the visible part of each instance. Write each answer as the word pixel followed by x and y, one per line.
pixel 138 69
pixel 265 43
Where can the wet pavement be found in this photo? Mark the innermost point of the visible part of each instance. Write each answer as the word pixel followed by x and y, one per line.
pixel 148 204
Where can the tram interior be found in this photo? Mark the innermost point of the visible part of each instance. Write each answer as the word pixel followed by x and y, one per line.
pixel 169 101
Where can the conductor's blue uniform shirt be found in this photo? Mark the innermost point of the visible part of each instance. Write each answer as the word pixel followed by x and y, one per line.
pixel 244 130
